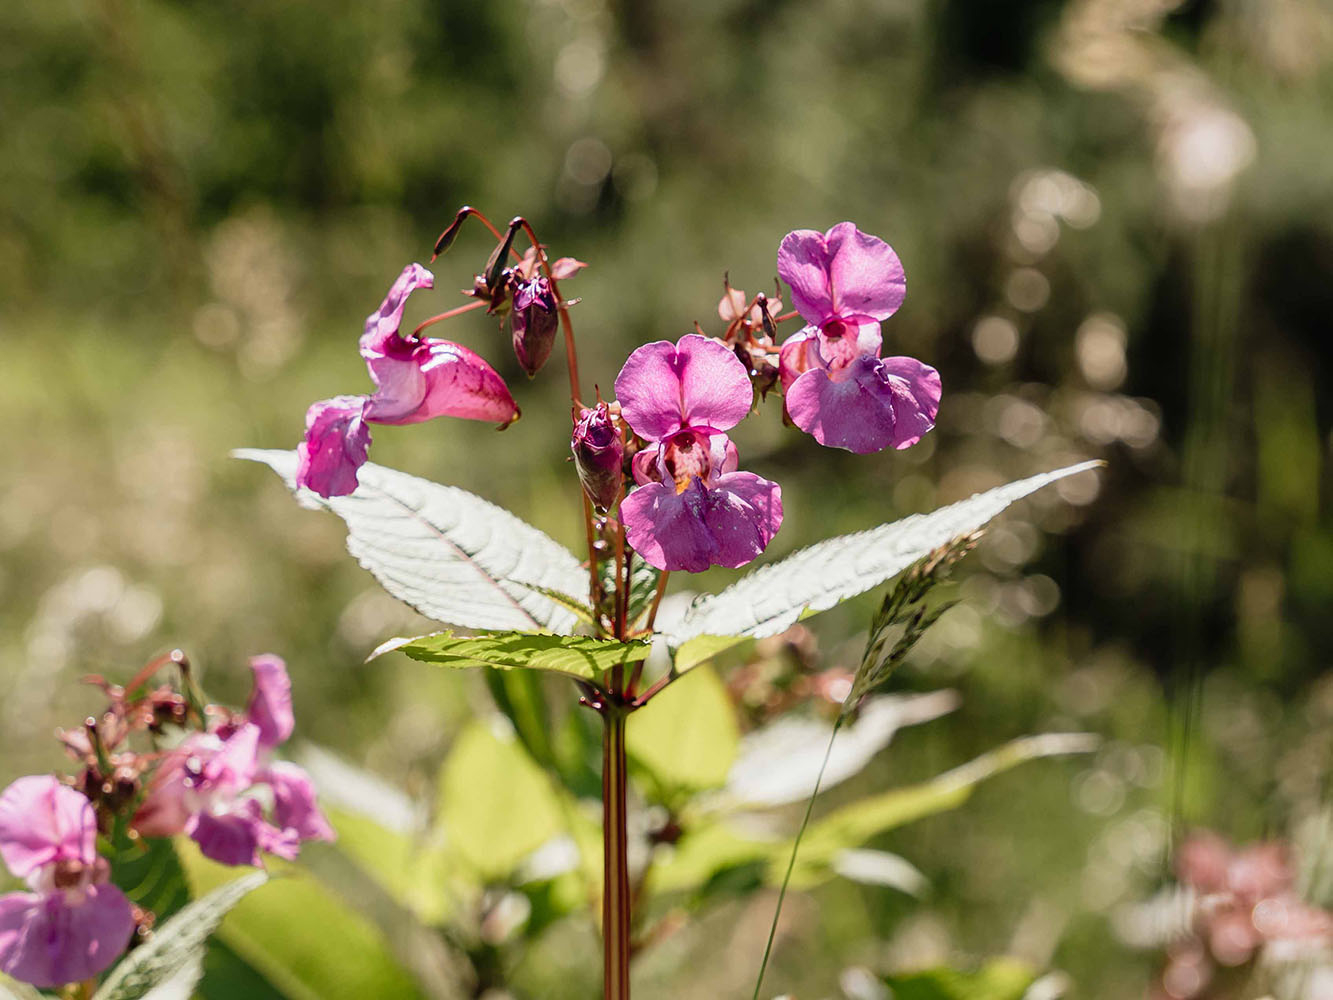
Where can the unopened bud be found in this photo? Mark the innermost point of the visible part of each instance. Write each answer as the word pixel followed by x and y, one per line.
pixel 598 454
pixel 533 322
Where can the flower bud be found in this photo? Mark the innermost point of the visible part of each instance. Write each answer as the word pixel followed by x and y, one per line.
pixel 533 322
pixel 598 454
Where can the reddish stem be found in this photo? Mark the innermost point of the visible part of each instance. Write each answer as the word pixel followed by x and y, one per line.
pixel 447 314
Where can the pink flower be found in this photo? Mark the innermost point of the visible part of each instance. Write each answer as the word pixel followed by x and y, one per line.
pixel 210 786
pixel 416 378
pixel 598 455
pixel 838 388
pixel 692 509
pixel 73 924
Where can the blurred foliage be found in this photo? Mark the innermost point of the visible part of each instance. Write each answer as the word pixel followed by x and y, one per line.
pixel 1116 218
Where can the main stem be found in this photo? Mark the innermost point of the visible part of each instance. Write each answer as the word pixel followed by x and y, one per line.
pixel 615 857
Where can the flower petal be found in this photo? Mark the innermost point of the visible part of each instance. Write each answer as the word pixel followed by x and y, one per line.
pixel 803 259
pixel 382 325
pixel 744 513
pixel 880 402
pixel 334 447
pixel 294 805
pixel 165 810
pixel 43 821
pixel 270 707
pixel 420 380
pixel 238 837
pixel 49 941
pixel 866 275
pixel 668 529
pixel 727 525
pixel 796 357
pixel 840 342
pixel 696 382
pixel 231 769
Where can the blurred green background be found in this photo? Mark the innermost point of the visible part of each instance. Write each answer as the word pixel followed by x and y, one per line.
pixel 1116 218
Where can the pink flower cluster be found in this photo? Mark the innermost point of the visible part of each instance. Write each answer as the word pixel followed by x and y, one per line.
pixel 690 507
pixel 1244 902
pixel 219 786
pixel 214 785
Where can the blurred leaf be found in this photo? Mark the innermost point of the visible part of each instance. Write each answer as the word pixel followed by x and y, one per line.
pixel 686 737
pixel 303 939
pixel 578 656
pixel 454 557
pixel 175 952
pixel 778 763
pixel 998 979
pixel 228 976
pixel 853 825
pixel 496 805
pixel 383 853
pixel 880 868
pixel 774 597
pixel 150 874
pixel 12 989
pixel 703 854
pixel 701 648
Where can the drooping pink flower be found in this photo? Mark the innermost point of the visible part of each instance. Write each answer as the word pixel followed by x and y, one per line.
pixel 210 787
pixel 838 388
pixel 416 379
pixel 692 508
pixel 74 923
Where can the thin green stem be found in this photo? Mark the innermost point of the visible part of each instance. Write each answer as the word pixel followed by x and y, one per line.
pixel 791 862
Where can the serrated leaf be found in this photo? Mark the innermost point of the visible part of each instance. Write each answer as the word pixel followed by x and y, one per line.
pixel 576 655
pixel 453 556
pixel 176 949
pixel 772 598
pixel 12 989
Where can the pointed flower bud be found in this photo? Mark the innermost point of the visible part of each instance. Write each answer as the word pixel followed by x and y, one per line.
pixel 533 322
pixel 598 454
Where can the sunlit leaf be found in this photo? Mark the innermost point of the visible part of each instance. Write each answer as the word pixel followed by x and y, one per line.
pixel 496 805
pixel 303 938
pixel 778 763
pixel 772 598
pixel 12 989
pixel 998 979
pixel 175 953
pixel 853 825
pixel 454 557
pixel 686 737
pixel 579 656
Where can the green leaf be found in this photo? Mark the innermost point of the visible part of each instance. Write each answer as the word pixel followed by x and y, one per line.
pixel 853 825
pixel 12 989
pixel 700 649
pixel 496 805
pixel 150 874
pixel 175 953
pixel 454 557
pixel 772 598
pixel 998 979
pixel 303 938
pixel 576 655
pixel 686 737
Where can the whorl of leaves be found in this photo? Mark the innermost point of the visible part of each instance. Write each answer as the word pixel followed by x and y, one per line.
pixel 904 617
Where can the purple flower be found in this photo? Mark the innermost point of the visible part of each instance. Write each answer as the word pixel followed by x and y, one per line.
pixel 210 786
pixel 692 509
pixel 838 388
pixel 416 378
pixel 598 455
pixel 73 924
